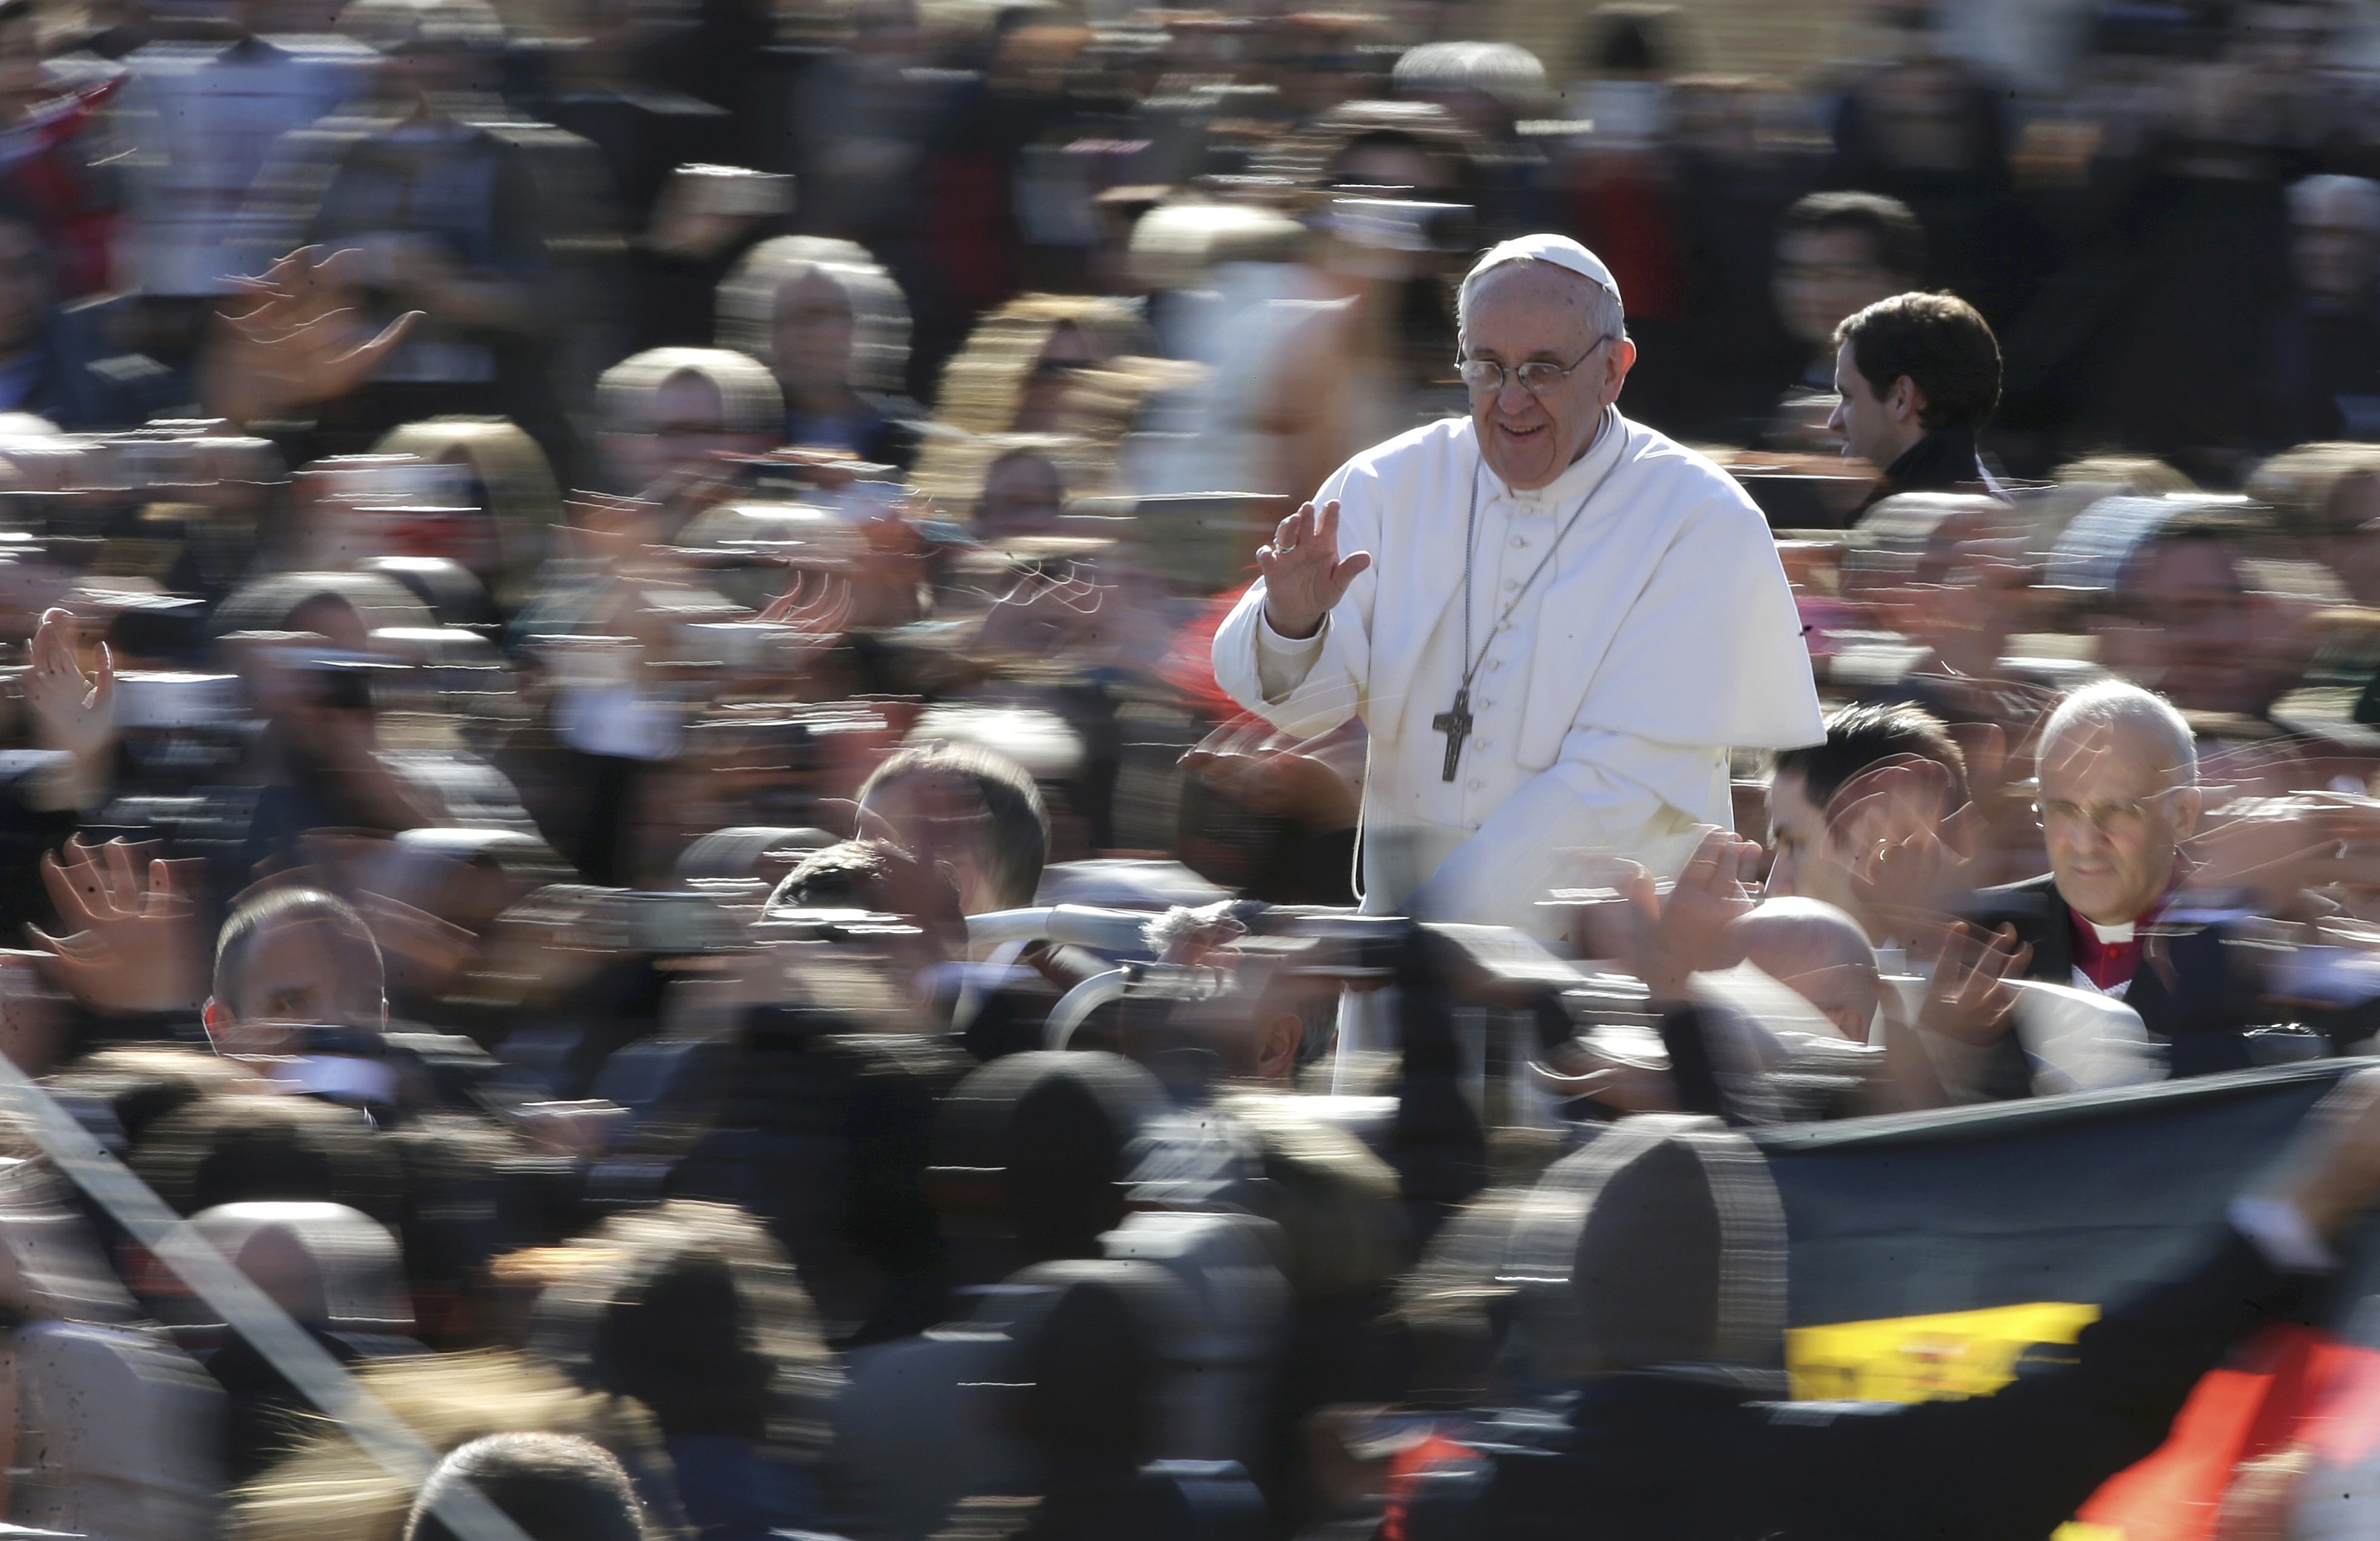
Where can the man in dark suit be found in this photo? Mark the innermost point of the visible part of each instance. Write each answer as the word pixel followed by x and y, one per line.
pixel 1917 377
pixel 2119 771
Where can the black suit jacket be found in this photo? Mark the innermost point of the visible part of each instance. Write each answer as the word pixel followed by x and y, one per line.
pixel 2189 991
pixel 1676 1456
pixel 1943 461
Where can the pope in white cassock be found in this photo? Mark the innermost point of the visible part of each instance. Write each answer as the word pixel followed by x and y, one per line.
pixel 1554 621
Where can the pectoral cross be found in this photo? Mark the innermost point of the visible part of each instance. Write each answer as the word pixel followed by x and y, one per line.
pixel 1455 723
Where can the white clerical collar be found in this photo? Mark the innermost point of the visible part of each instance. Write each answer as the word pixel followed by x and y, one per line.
pixel 1579 477
pixel 2110 936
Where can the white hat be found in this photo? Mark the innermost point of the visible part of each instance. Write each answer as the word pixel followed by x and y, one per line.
pixel 1560 250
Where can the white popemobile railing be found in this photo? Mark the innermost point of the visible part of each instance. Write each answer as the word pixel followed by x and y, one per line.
pixel 1108 932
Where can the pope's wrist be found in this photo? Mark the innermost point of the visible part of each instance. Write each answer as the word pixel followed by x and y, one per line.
pixel 1288 632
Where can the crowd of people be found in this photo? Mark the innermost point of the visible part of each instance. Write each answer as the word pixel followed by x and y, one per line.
pixel 719 737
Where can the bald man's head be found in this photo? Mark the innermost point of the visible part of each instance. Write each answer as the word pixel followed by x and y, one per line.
pixel 1820 954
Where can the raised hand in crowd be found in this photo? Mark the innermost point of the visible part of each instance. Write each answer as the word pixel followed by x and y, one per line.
pixel 2333 1175
pixel 1969 998
pixel 2292 857
pixel 1911 852
pixel 1045 613
pixel 72 712
pixel 132 942
pixel 1689 929
pixel 425 956
pixel 1318 782
pixel 1579 1069
pixel 814 605
pixel 1664 938
pixel 294 340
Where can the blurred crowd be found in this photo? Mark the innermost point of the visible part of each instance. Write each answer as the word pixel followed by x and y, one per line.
pixel 612 780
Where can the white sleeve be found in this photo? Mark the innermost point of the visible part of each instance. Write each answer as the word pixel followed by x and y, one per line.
pixel 1608 792
pixel 1314 693
pixel 1282 662
pixel 2081 1041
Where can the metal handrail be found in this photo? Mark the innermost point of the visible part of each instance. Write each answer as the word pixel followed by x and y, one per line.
pixel 1075 1007
pixel 1101 930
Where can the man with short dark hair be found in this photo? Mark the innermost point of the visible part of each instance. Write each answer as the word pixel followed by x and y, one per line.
pixel 302 996
pixel 1815 841
pixel 554 1486
pixel 1837 254
pixel 1919 376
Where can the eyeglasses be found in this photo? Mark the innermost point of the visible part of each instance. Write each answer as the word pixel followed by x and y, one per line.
pixel 2115 818
pixel 1484 376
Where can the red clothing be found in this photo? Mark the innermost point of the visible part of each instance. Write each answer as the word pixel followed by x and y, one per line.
pixel 1627 213
pixel 1189 666
pixel 2108 964
pixel 2111 965
pixel 42 167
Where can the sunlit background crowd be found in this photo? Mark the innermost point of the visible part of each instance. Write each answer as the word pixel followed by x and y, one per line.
pixel 613 779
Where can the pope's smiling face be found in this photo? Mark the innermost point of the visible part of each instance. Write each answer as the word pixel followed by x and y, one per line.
pixel 1534 312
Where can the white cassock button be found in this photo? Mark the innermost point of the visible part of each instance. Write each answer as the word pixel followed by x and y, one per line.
pixel 1486 744
pixel 1477 784
pixel 1484 705
pixel 1503 625
pixel 1511 584
pixel 1520 544
pixel 1495 663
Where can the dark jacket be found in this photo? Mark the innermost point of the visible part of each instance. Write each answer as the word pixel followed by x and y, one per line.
pixel 2323 379
pixel 2190 990
pixel 1685 1456
pixel 86 384
pixel 1943 461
